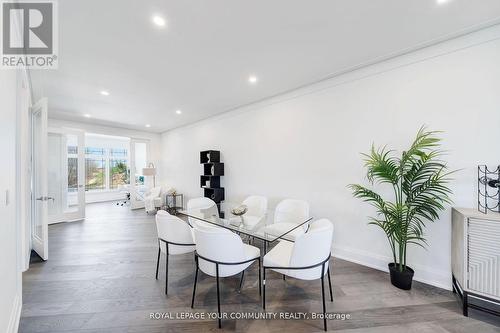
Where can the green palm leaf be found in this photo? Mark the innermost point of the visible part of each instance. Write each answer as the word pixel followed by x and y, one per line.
pixel 419 179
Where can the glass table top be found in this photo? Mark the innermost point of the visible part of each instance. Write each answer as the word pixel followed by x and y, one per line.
pixel 261 227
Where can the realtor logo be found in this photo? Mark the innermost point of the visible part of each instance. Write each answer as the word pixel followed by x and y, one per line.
pixel 29 34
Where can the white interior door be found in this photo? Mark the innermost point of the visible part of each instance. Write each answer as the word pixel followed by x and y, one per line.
pixel 66 172
pixel 139 155
pixel 39 194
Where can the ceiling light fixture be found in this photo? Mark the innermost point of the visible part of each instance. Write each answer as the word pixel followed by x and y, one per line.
pixel 87 115
pixel 148 125
pixel 252 79
pixel 104 92
pixel 159 21
pixel 178 111
pixel 442 2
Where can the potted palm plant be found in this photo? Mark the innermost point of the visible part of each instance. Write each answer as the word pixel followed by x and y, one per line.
pixel 419 179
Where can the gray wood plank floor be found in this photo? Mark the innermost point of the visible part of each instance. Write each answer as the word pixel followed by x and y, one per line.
pixel 100 278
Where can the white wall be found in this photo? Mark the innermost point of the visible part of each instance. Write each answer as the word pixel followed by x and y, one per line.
pixel 306 144
pixel 10 276
pixel 154 149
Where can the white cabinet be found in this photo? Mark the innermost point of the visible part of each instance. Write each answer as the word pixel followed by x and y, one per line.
pixel 475 259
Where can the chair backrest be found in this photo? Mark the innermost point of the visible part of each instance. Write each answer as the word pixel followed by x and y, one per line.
pixel 257 205
pixel 201 203
pixel 311 248
pixel 173 229
pixel 219 245
pixel 291 211
pixel 205 204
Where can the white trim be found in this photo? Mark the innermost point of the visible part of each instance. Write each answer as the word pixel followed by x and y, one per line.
pixel 15 315
pixel 441 279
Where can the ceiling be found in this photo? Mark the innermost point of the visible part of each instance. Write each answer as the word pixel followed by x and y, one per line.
pixel 201 60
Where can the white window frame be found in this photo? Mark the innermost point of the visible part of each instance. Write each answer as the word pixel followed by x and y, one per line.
pixel 107 157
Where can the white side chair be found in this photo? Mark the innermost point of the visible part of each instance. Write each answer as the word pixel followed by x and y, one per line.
pixel 205 204
pixel 288 214
pixel 151 199
pixel 221 253
pixel 306 259
pixel 174 237
pixel 257 209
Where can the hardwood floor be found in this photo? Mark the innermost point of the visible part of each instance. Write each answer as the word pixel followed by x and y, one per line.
pixel 100 278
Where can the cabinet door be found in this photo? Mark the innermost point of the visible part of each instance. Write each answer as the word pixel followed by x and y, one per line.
pixel 484 257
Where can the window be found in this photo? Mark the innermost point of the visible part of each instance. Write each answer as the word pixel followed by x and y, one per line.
pixel 118 152
pixel 95 173
pixel 94 151
pixel 106 168
pixel 72 168
pixel 118 173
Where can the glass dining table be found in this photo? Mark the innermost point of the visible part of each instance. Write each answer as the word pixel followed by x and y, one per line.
pixel 254 227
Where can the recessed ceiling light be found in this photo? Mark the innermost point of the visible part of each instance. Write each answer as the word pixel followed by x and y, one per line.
pixel 159 21
pixel 148 125
pixel 178 111
pixel 252 79
pixel 442 2
pixel 87 115
pixel 104 92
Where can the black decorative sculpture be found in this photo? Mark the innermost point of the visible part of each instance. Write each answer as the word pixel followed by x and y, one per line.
pixel 488 189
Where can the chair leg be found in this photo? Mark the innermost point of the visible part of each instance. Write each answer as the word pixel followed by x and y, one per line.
pixel 284 277
pixel 330 284
pixel 264 290
pixel 218 293
pixel 166 270
pixel 158 261
pixel 324 305
pixel 260 288
pixel 195 280
pixel 241 279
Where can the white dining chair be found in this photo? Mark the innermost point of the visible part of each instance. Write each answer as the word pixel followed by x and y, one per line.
pixel 207 205
pixel 222 253
pixel 305 259
pixel 256 210
pixel 174 237
pixel 288 214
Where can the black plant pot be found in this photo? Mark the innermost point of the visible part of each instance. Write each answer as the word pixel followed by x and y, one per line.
pixel 401 280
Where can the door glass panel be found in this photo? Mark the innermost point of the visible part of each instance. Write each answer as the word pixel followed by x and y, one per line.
pixel 140 157
pixel 70 163
pixel 55 173
pixel 140 161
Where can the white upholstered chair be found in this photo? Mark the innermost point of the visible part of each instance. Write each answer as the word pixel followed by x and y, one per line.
pixel 222 253
pixel 257 209
pixel 203 204
pixel 153 199
pixel 288 214
pixel 305 259
pixel 174 237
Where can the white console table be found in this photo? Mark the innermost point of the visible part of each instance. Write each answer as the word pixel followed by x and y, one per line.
pixel 475 259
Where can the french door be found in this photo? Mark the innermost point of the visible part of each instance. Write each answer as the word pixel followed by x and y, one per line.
pixel 66 171
pixel 39 189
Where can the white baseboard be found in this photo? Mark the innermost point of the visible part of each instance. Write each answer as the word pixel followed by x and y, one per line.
pixel 15 315
pixel 441 279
